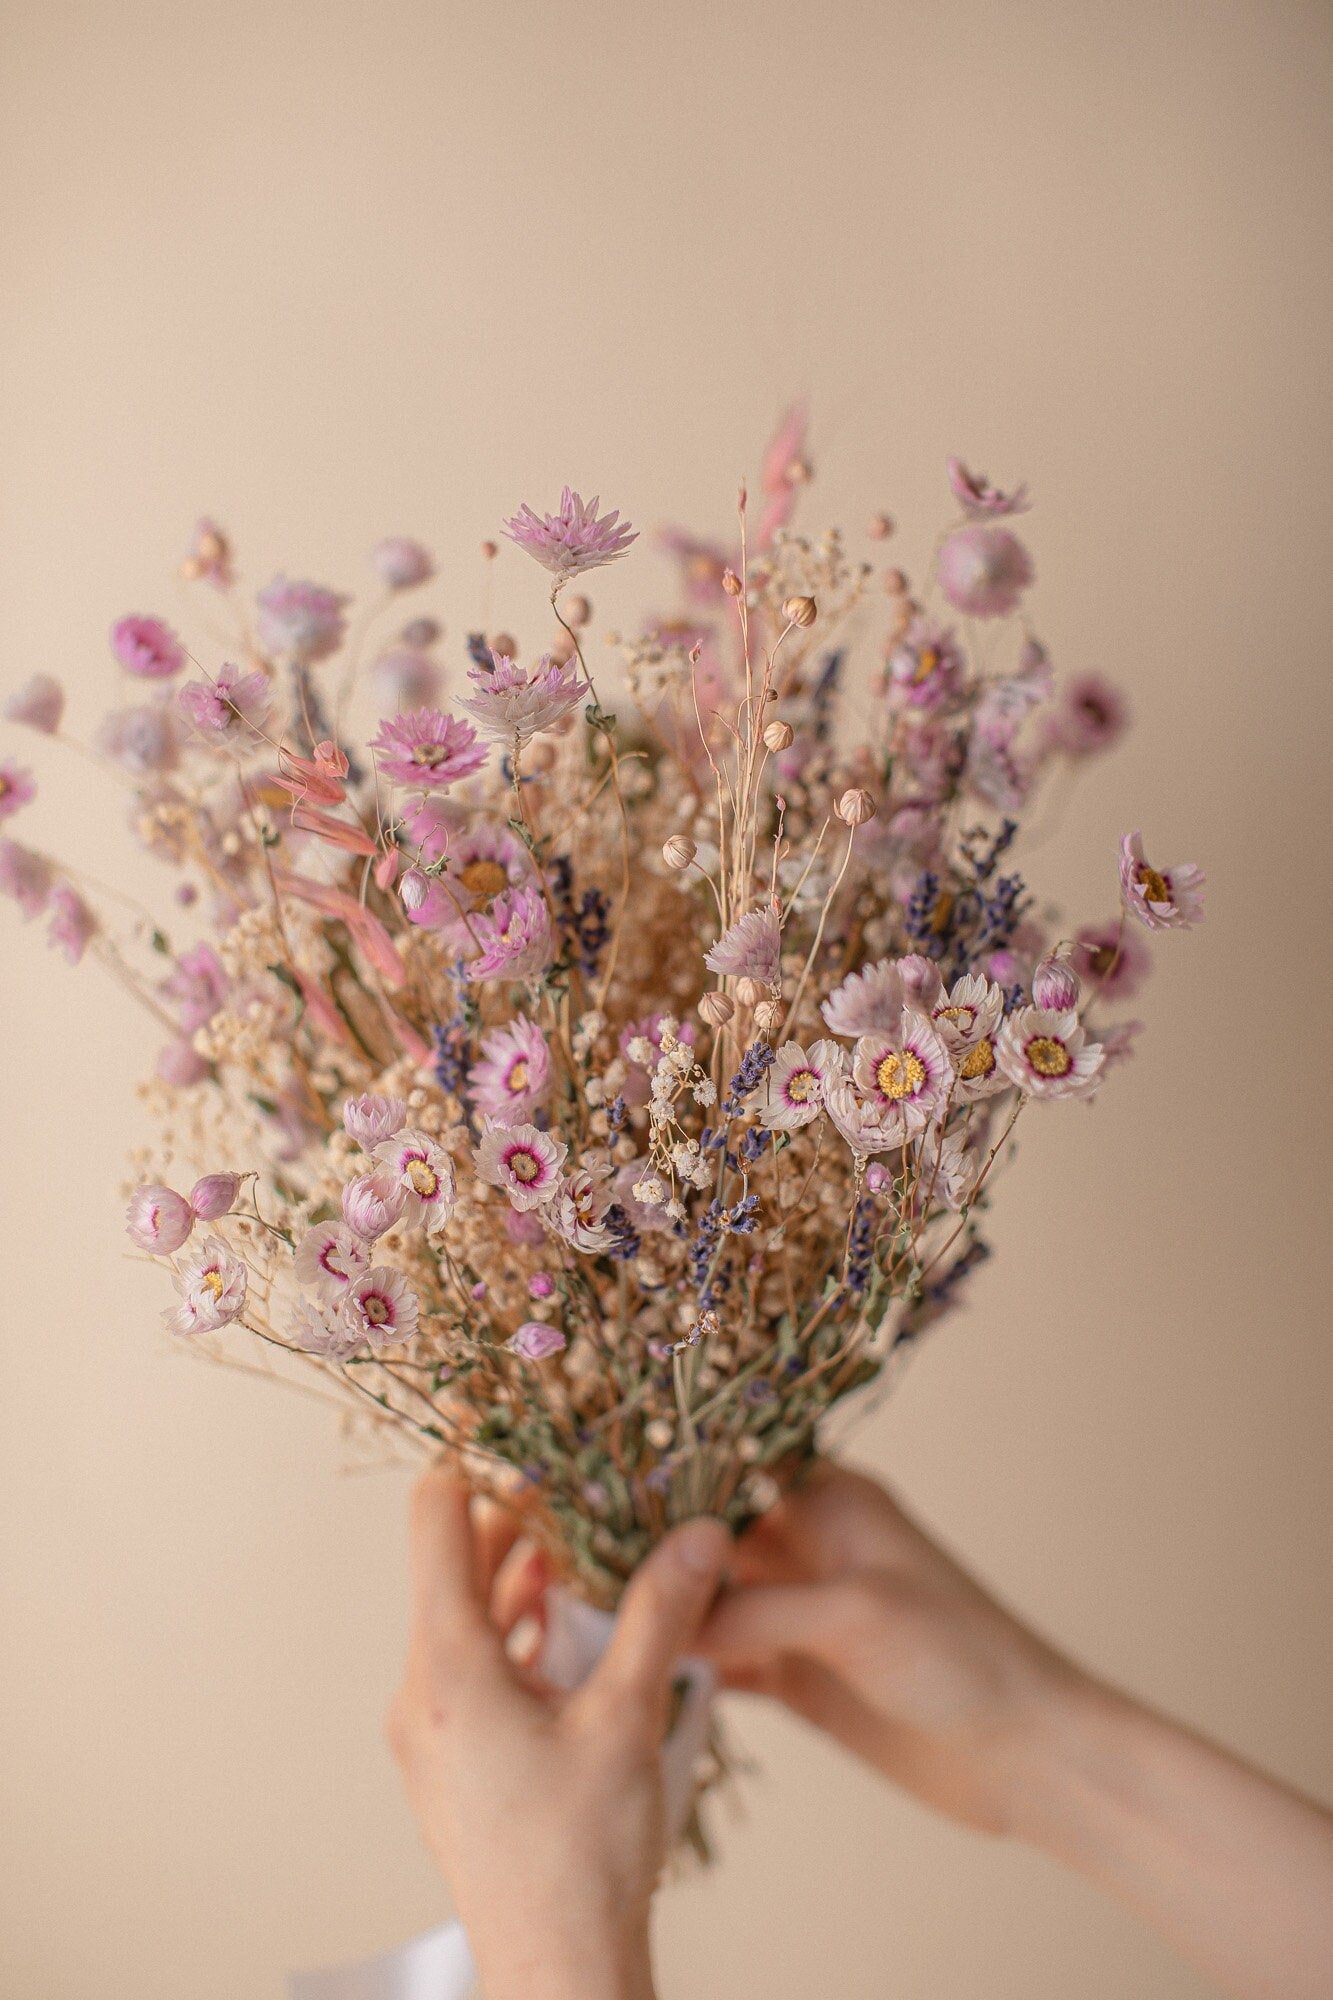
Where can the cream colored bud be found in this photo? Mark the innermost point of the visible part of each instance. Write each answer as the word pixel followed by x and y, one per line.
pixel 751 991
pixel 801 611
pixel 766 1016
pixel 779 735
pixel 717 1009
pixel 505 644
pixel 798 472
pixel 577 610
pixel 855 808
pixel 679 851
pixel 880 527
pixel 731 583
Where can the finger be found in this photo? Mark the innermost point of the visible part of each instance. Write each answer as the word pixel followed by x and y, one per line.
pixel 495 1530
pixel 660 1614
pixel 519 1587
pixel 749 1629
pixel 447 1607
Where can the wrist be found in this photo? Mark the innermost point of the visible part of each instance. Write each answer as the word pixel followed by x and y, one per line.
pixel 564 1961
pixel 1076 1750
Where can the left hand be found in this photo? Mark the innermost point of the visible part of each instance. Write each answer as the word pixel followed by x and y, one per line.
pixel 544 1812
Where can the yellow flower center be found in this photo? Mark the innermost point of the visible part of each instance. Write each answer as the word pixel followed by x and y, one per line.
pixel 517 1078
pixel 926 662
pixel 484 878
pixel 212 1281
pixel 900 1076
pixel 525 1167
pixel 1156 886
pixel 801 1086
pixel 963 1018
pixel 1048 1056
pixel 424 1179
pixel 428 753
pixel 375 1309
pixel 979 1061
pixel 5 786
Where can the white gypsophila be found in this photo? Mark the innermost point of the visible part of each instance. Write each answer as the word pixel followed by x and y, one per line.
pixel 212 1285
pixel 792 1092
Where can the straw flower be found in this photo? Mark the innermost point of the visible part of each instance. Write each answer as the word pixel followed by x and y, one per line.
pixel 212 1286
pixel 371 1120
pixel 572 540
pixel 523 1162
pixel 750 949
pixel 381 1308
pixel 514 936
pixel 1162 899
pixel 427 748
pixel 327 1258
pixel 1046 1054
pixel 514 1074
pixel 158 1219
pixel 16 789
pixel 793 1090
pixel 425 1174
pixel 513 706
pixel 904 1074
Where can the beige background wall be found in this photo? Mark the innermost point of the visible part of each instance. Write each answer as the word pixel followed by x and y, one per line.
pixel 334 271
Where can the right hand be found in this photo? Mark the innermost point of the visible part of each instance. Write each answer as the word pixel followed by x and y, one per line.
pixel 846 1611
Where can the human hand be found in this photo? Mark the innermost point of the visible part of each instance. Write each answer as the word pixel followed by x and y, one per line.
pixel 544 1812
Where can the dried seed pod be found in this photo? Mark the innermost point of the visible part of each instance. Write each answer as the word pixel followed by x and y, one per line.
pixel 778 735
pixel 731 583
pixel 855 807
pixel 880 527
pixel 505 644
pixel 577 610
pixel 766 1016
pixel 717 1009
pixel 679 851
pixel 751 991
pixel 801 611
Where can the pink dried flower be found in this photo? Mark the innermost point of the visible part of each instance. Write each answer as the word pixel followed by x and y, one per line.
pixel 904 1075
pixel 158 1219
pixel 535 1340
pixel 860 1120
pixel 522 1161
pixel 214 1195
pixel 514 1074
pixel 1162 899
pixel 573 540
pixel 39 704
pixel 750 949
pixel 867 1002
pixel 381 1308
pixel 792 1093
pixel 401 563
pixel 25 876
pixel 513 706
pixel 371 1120
pixel 16 789
pixel 514 936
pixel 979 497
pixel 1118 1042
pixel 322 778
pixel 926 667
pixel 984 571
pixel 212 1284
pixel 142 740
pixel 73 925
pixel 967 1018
pixel 405 677
pixel 234 704
pixel 425 1173
pixel 1047 1054
pixel 303 619
pixel 428 904
pixel 1055 985
pixel 328 1257
pixel 1090 716
pixel 199 985
pixel 427 748
pixel 1113 958
pixel 578 1209
pixel 541 1285
pixel 321 1329
pixel 147 647
pixel 373 1203
pixel 209 560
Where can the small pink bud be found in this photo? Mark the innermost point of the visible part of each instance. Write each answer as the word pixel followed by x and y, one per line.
pixel 878 1178
pixel 371 1120
pixel 372 1203
pixel 214 1195
pixel 541 1285
pixel 401 564
pixel 535 1340
pixel 158 1219
pixel 1055 986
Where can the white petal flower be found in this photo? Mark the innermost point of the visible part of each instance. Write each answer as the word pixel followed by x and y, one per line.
pixel 212 1284
pixel 425 1173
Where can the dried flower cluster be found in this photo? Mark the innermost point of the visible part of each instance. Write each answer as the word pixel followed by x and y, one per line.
pixel 603 1098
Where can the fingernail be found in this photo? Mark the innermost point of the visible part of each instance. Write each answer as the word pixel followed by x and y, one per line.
pixel 702 1545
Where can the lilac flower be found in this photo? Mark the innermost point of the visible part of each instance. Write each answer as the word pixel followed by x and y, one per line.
pixel 750 949
pixel 212 1284
pixel 535 1340
pixel 984 571
pixel 199 984
pixel 401 563
pixel 371 1120
pixel 979 497
pixel 514 1074
pixel 381 1308
pixel 328 1257
pixel 39 704
pixel 25 876
pixel 926 666
pixel 147 647
pixel 573 540
pixel 1162 899
pixel 158 1219
pixel 406 677
pixel 1112 958
pixel 73 925
pixel 1047 1054
pixel 427 748
pixel 16 789
pixel 143 740
pixel 303 619
pixel 513 706
pixel 515 937
pixel 214 1195
pixel 372 1203
pixel 522 1161
pixel 425 1173
pixel 232 705
pixel 1090 716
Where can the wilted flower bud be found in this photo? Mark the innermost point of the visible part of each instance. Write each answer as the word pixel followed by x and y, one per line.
pixel 214 1195
pixel 750 991
pixel 371 1120
pixel 372 1203
pixel 731 583
pixel 717 1008
pixel 679 851
pixel 878 1178
pixel 1055 986
pixel 158 1219
pixel 779 735
pixel 414 889
pixel 855 807
pixel 801 611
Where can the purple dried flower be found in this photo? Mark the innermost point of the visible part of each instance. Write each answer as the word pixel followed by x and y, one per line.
pixel 147 647
pixel 984 571
pixel 303 619
pixel 16 789
pixel 574 539
pixel 73 925
pixel 979 497
pixel 535 1340
pixel 25 876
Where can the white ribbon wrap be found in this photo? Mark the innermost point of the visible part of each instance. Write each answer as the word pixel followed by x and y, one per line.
pixel 438 1966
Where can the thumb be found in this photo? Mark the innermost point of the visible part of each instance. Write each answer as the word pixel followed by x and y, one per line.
pixel 751 1628
pixel 660 1615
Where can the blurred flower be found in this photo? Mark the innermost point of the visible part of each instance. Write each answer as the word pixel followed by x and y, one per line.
pixel 926 666
pixel 303 619
pixel 514 1074
pixel 1113 958
pixel 16 789
pixel 147 647
pixel 867 1002
pixel 73 925
pixel 25 876
pixel 406 677
pixel 979 497
pixel 39 704
pixel 158 1219
pixel 180 1064
pixel 232 705
pixel 1162 899
pixel 400 563
pixel 209 560
pixel 573 540
pixel 198 985
pixel 1090 716
pixel 535 1340
pixel 984 571
pixel 142 740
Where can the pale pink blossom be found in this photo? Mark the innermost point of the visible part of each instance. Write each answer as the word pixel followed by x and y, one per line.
pixel 926 667
pixel 400 563
pixel 303 619
pixel 922 985
pixel 214 1195
pixel 984 571
pixel 906 1073
pixel 969 1010
pixel 1090 715
pixel 147 647
pixel 1114 958
pixel 143 740
pixel 16 789
pixel 371 1120
pixel 514 937
pixel 317 1328
pixel 373 1203
pixel 867 1002
pixel 158 1219
pixel 1048 1055
pixel 73 925
pixel 381 1308
pixel 1055 985
pixel 792 1093
pixel 573 540
pixel 25 876
pixel 861 1121
pixel 39 704
pixel 209 560
pixel 428 748
pixel 198 985
pixel 949 1169
pixel 535 1340
pixel 212 1286
pixel 522 1161
pixel 513 706
pixel 578 1209
pixel 235 704
pixel 980 499
pixel 328 1257
pixel 514 1074
pixel 1118 1042
pixel 750 949
pixel 1162 899
pixel 421 1168
pixel 406 677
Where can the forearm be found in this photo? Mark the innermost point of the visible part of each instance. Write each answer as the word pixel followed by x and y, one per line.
pixel 1232 1868
pixel 533 1957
